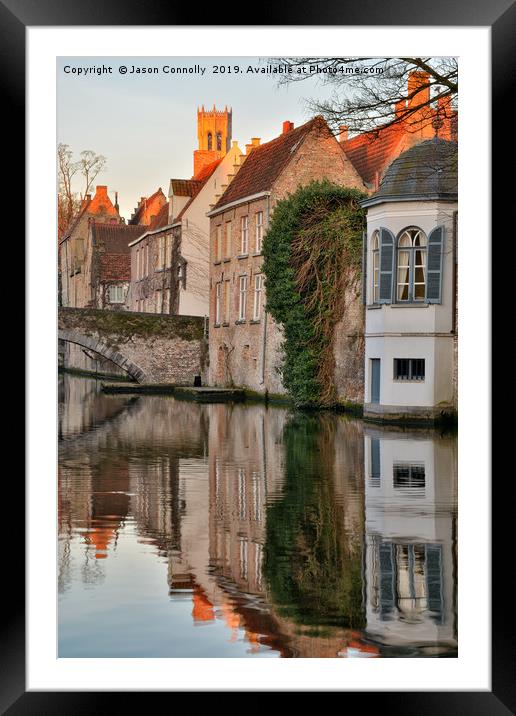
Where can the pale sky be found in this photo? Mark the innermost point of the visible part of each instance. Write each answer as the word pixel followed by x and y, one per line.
pixel 146 124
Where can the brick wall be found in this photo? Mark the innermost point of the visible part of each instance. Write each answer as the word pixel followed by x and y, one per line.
pixel 250 353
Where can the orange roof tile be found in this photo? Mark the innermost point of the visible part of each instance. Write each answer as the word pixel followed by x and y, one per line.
pixel 266 161
pixel 371 152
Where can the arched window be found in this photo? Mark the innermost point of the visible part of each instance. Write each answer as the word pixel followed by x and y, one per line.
pixel 219 141
pixel 411 265
pixel 210 141
pixel 375 244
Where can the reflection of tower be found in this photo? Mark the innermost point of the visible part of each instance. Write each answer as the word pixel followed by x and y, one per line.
pixel 214 136
pixel 410 539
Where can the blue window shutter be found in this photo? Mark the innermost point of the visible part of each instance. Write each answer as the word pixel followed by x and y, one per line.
pixel 386 265
pixel 435 265
pixel 364 268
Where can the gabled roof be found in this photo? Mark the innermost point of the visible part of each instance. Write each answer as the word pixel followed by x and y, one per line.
pixel 371 152
pixel 143 204
pixel 266 162
pixel 114 238
pixel 161 220
pixel 206 174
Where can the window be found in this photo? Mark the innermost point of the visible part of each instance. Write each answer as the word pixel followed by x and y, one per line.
pixel 242 298
pixel 227 240
pixel 161 255
pixel 159 301
pixel 168 250
pixel 210 142
pixel 411 266
pixel 219 142
pixel 218 244
pixel 244 235
pixel 137 264
pixel 376 266
pixel 259 231
pixel 116 294
pixel 181 273
pixel 218 300
pixel 227 301
pixel 257 306
pixel 407 475
pixel 409 369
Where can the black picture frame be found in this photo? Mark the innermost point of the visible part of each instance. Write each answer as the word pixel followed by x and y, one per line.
pixel 15 17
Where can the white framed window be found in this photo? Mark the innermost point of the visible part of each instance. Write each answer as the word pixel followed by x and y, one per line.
pixel 259 231
pixel 242 297
pixel 218 302
pixel 411 265
pixel 257 304
pixel 217 253
pixel 227 240
pixel 161 254
pixel 244 235
pixel 168 250
pixel 375 244
pixel 116 294
pixel 227 301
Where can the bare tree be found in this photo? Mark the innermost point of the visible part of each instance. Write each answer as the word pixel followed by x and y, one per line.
pixel 370 92
pixel 68 199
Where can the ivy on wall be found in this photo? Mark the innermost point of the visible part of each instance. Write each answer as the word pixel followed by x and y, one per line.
pixel 311 250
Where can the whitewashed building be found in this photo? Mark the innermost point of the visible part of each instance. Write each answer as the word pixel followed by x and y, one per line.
pixel 410 287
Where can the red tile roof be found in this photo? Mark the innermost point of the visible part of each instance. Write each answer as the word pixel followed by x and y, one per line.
pixel 265 162
pixel 371 152
pixel 208 170
pixel 114 238
pixel 185 187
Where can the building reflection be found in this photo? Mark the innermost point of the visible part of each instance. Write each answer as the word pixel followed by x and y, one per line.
pixel 308 535
pixel 410 540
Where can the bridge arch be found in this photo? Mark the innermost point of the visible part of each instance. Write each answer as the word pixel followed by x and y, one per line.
pixel 96 344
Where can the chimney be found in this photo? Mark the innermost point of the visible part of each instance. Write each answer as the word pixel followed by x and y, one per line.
pixel 101 192
pixel 417 79
pixel 343 132
pixel 255 141
pixel 287 126
pixel 248 148
pixel 400 107
pixel 117 208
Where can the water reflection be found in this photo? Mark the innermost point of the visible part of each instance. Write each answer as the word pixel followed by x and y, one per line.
pixel 233 530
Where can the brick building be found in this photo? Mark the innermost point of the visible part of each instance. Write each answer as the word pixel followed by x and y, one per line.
pixel 107 265
pixel 148 208
pixel 245 343
pixel 372 152
pixel 72 247
pixel 170 261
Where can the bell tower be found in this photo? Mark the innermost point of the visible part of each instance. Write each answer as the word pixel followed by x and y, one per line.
pixel 214 133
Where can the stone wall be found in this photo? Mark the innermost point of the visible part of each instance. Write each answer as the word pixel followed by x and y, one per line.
pixel 150 348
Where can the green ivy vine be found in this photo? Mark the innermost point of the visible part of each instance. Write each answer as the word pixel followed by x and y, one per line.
pixel 312 248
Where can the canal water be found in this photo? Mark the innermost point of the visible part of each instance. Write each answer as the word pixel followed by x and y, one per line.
pixel 231 530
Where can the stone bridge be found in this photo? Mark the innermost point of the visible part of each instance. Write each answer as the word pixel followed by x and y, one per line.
pixel 151 348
